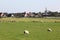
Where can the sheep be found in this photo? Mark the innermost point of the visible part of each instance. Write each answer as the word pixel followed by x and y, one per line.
pixel 49 29
pixel 26 32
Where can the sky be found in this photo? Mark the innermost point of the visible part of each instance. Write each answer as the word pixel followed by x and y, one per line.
pixel 29 5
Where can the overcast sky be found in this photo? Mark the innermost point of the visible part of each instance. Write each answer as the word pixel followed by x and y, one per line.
pixel 29 5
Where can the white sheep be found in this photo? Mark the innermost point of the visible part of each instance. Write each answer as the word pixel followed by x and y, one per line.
pixel 26 32
pixel 49 29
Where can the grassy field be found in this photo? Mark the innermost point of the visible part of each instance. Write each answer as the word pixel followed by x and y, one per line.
pixel 30 19
pixel 37 27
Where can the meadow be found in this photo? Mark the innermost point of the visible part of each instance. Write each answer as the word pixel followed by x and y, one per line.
pixel 13 28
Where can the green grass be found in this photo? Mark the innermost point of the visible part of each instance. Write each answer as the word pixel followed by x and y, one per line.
pixel 37 29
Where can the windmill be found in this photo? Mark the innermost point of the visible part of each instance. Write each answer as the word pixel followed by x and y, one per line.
pixel 45 11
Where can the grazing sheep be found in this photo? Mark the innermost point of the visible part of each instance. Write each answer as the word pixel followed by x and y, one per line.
pixel 49 29
pixel 26 32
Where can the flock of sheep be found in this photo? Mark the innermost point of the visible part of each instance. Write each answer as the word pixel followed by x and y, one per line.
pixel 27 32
